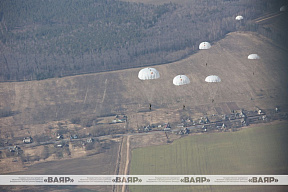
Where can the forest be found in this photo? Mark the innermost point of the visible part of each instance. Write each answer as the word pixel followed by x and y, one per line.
pixel 46 39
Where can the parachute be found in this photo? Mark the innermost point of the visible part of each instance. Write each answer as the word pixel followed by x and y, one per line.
pixel 213 79
pixel 212 88
pixel 181 80
pixel 283 8
pixel 148 73
pixel 149 87
pixel 239 18
pixel 253 56
pixel 205 45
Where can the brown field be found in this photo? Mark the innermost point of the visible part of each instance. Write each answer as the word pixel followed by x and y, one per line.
pixel 122 92
pixel 99 164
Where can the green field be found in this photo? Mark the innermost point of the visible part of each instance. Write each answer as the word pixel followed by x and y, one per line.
pixel 255 150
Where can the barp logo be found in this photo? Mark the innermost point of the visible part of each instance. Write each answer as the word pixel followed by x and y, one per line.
pixel 263 180
pixel 59 180
pixel 127 180
pixel 195 180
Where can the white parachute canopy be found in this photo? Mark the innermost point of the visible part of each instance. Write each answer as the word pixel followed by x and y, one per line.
pixel 283 8
pixel 148 73
pixel 253 56
pixel 181 80
pixel 205 45
pixel 239 17
pixel 213 79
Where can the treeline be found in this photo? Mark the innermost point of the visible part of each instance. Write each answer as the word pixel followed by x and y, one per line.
pixel 45 39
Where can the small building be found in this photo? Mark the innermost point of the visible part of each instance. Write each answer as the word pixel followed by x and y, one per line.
pixel 60 137
pixel 15 149
pixel 205 128
pixel 120 119
pixel 219 125
pixel 59 145
pixel 186 131
pixel 167 127
pixel 188 120
pixel 242 114
pixel 276 109
pixel 74 136
pixel 206 120
pixel 27 140
pixel 90 140
pixel 146 129
pixel 201 121
pixel 14 160
pixel 244 122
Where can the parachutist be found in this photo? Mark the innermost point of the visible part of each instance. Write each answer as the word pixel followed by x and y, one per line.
pixel 212 100
pixel 180 80
pixel 206 64
pixel 148 74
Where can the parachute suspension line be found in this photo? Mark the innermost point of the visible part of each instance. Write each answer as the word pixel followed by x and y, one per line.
pixel 215 93
pixel 254 57
pixel 180 80
pixel 205 46
pixel 212 81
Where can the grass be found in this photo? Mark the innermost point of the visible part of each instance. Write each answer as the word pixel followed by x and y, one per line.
pixel 256 150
